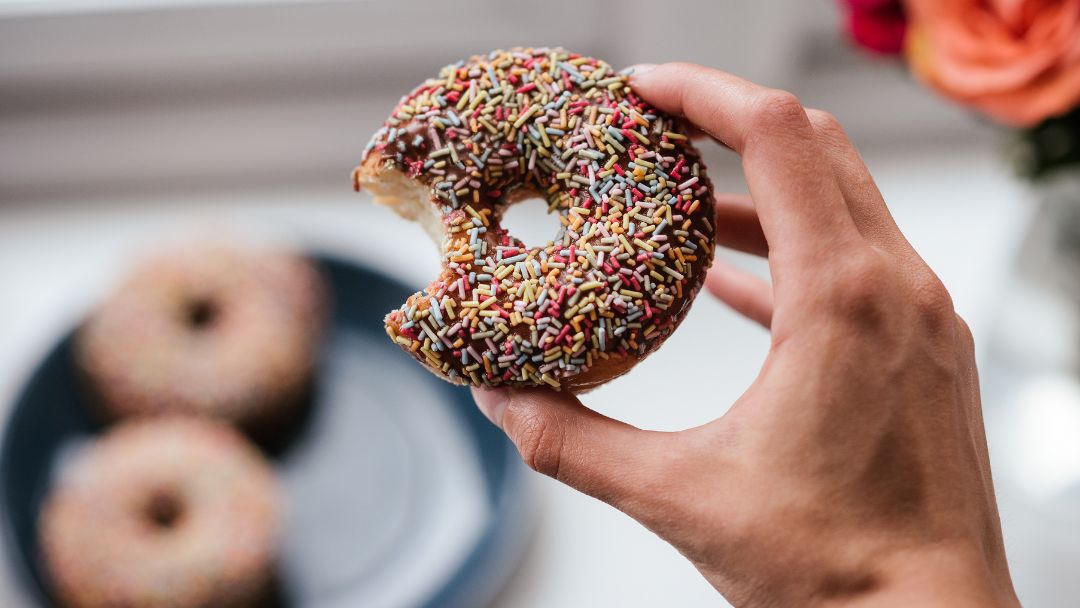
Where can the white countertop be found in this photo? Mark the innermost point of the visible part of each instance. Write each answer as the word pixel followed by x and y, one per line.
pixel 961 209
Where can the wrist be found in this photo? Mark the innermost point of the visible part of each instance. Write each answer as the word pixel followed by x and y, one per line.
pixel 932 576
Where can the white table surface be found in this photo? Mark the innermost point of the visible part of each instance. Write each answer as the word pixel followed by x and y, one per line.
pixel 960 208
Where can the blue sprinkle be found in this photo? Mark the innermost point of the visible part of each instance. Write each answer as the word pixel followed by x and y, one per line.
pixel 571 70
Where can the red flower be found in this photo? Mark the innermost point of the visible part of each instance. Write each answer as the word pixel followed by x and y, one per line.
pixel 877 25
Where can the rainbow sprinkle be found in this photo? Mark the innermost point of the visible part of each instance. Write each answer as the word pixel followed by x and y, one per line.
pixel 634 243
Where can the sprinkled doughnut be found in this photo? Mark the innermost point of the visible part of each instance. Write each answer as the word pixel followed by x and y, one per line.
pixel 632 197
pixel 175 512
pixel 208 329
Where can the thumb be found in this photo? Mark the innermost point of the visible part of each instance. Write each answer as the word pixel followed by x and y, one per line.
pixel 558 436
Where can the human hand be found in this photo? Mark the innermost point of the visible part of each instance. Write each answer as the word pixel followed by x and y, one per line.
pixel 854 469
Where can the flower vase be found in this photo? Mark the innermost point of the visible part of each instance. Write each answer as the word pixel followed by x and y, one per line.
pixel 1031 381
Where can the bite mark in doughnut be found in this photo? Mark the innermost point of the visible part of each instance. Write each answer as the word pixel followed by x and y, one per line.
pixel 634 204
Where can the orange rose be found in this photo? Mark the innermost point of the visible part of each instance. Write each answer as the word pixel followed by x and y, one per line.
pixel 1015 60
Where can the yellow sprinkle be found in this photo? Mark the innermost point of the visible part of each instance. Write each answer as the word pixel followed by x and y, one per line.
pixel 525 116
pixel 472 212
pixel 643 244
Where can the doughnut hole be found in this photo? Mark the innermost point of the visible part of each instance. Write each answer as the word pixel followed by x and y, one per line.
pixel 201 313
pixel 527 218
pixel 164 510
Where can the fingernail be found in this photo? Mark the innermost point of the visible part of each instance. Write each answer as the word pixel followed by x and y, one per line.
pixel 638 70
pixel 492 403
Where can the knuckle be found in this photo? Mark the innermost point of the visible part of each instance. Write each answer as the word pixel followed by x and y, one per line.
pixel 780 108
pixel 825 123
pixel 932 303
pixel 964 335
pixel 862 290
pixel 539 441
pixel 823 120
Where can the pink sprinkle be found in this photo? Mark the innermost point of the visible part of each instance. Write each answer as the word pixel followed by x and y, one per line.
pixel 563 334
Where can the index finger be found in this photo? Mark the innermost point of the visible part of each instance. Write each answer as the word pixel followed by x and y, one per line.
pixel 799 203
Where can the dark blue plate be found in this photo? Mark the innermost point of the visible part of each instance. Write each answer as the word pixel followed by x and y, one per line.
pixel 399 493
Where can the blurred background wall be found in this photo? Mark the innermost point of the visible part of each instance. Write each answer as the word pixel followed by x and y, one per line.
pixel 129 96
